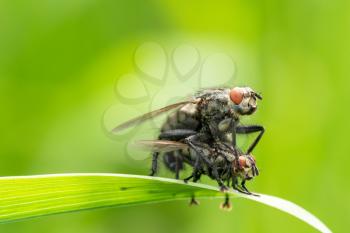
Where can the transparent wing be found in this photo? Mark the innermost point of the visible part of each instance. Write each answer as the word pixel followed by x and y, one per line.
pixel 244 140
pixel 160 145
pixel 150 115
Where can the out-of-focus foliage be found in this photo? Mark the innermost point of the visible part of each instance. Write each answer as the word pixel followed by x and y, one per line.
pixel 59 61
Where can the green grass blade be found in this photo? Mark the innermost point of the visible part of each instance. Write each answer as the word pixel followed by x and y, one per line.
pixel 26 197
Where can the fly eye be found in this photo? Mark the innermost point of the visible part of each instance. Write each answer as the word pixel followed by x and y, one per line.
pixel 242 161
pixel 236 95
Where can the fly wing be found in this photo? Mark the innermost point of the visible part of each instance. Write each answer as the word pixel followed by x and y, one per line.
pixel 150 115
pixel 161 145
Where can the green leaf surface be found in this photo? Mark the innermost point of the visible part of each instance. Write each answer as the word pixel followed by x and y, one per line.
pixel 26 197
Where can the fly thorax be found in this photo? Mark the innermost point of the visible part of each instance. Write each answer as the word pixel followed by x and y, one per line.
pixel 219 160
pixel 225 125
pixel 190 109
pixel 213 106
pixel 228 137
pixel 229 156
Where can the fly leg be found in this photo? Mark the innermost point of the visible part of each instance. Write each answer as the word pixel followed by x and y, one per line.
pixel 188 178
pixel 154 163
pixel 226 205
pixel 236 187
pixel 177 168
pixel 193 200
pixel 245 188
pixel 196 174
pixel 247 129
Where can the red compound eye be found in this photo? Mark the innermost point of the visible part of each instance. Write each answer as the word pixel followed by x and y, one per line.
pixel 242 161
pixel 236 95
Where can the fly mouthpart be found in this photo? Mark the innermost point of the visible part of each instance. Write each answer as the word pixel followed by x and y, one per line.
pixel 258 96
pixel 256 170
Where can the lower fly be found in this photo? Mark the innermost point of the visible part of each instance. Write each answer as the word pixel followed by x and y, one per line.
pixel 229 166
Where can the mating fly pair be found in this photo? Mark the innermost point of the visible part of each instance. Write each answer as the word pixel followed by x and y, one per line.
pixel 201 132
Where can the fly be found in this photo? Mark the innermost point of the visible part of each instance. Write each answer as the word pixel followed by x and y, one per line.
pixel 207 124
pixel 218 161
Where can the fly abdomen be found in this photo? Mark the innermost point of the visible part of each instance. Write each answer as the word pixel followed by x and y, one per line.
pixel 178 126
pixel 173 161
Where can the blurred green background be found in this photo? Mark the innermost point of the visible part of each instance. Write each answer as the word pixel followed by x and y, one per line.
pixel 58 64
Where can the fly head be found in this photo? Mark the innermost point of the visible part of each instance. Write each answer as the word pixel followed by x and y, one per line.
pixel 247 167
pixel 244 100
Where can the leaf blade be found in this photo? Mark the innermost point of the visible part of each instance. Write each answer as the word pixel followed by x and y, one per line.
pixel 24 197
pixel 33 196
